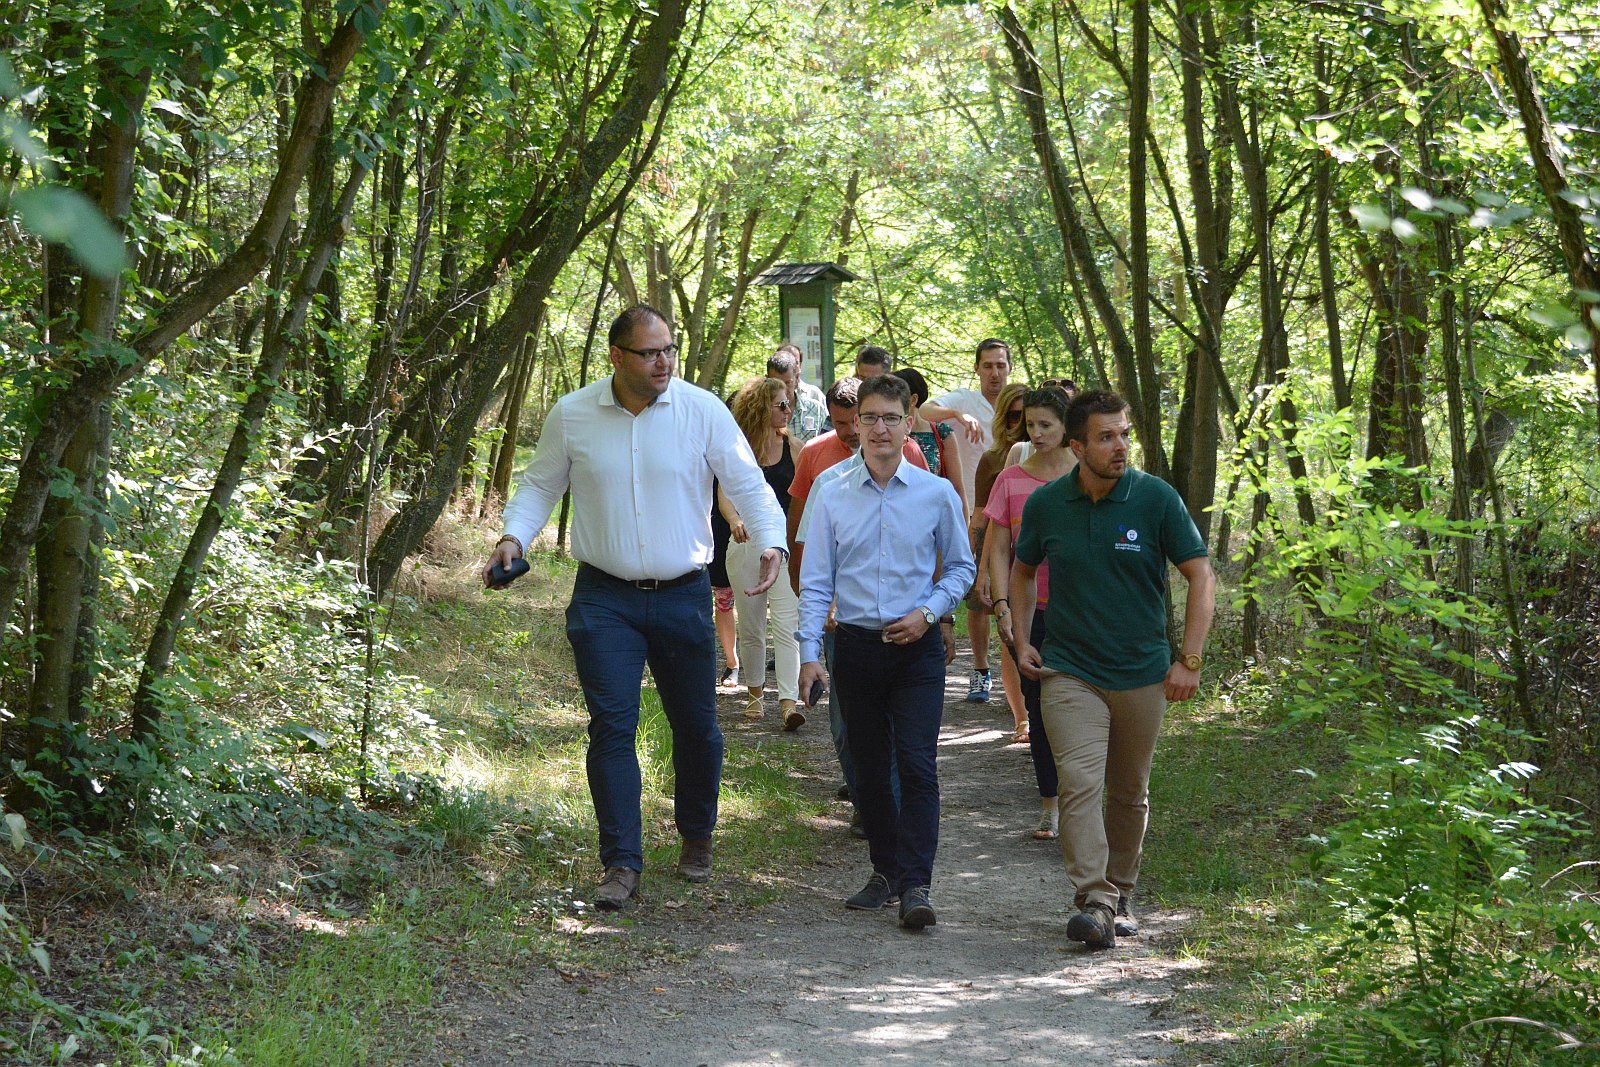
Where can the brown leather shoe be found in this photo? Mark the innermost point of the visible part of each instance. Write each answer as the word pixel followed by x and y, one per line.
pixel 694 862
pixel 617 889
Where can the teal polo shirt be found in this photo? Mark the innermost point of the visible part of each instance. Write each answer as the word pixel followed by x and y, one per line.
pixel 1107 618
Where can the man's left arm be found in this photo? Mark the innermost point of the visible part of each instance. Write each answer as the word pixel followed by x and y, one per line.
pixel 729 456
pixel 1182 682
pixel 955 564
pixel 934 411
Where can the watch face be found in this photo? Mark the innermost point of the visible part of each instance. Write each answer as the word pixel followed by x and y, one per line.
pixel 929 616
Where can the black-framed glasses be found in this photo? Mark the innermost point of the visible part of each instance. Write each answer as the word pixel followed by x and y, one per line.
pixel 650 355
pixel 891 421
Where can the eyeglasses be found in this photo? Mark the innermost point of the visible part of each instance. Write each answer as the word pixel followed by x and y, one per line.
pixel 650 355
pixel 1013 416
pixel 891 421
pixel 1061 383
pixel 783 405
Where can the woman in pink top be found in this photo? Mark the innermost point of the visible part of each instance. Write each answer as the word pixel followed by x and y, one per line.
pixel 1045 415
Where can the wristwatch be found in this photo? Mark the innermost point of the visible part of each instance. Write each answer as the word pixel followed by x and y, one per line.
pixel 928 616
pixel 1192 660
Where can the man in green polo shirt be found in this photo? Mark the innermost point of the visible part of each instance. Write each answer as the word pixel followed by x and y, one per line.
pixel 1106 671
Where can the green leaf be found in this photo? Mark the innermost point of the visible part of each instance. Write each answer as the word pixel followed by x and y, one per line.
pixel 17 826
pixel 65 216
pixel 1555 316
pixel 25 143
pixel 1370 216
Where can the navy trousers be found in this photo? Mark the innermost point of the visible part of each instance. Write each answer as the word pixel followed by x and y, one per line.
pixel 892 697
pixel 615 630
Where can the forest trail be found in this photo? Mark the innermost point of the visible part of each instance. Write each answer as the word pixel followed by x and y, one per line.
pixel 803 981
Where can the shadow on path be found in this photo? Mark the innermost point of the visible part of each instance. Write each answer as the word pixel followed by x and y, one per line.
pixel 803 981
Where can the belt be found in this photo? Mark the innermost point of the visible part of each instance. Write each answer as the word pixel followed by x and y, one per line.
pixel 648 584
pixel 874 633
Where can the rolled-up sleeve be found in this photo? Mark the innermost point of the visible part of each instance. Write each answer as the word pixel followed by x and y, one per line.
pixel 729 456
pixel 955 553
pixel 816 580
pixel 542 482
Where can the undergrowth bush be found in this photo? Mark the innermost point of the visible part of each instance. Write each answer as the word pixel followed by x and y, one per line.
pixel 1449 936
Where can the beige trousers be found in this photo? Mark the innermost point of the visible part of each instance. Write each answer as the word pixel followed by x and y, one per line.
pixel 1103 740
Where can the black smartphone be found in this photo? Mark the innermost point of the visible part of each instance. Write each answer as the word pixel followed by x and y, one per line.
pixel 502 576
pixel 817 690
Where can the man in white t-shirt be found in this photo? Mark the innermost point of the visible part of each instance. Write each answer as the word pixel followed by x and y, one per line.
pixel 992 364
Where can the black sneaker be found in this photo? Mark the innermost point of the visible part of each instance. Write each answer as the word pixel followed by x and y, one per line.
pixel 872 896
pixel 857 827
pixel 1126 925
pixel 842 793
pixel 915 911
pixel 1095 926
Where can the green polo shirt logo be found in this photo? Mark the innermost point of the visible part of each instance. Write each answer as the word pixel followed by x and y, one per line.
pixel 1129 540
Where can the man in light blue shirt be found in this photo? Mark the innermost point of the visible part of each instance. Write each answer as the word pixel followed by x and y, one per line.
pixel 877 538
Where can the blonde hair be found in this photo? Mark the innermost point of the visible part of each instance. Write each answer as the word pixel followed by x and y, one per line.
pixel 1004 435
pixel 752 410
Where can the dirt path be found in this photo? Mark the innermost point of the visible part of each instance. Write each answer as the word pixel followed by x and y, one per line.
pixel 803 981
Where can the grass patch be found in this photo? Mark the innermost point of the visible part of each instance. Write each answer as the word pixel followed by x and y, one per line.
pixel 1233 801
pixel 332 942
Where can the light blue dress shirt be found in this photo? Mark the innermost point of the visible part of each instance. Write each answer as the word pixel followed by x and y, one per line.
pixel 875 551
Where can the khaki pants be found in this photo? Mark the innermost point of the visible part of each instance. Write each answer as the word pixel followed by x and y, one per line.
pixel 1103 740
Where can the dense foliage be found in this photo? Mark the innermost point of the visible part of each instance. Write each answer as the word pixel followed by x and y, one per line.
pixel 1340 257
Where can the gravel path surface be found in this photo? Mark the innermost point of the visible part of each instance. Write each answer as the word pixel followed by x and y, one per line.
pixel 803 981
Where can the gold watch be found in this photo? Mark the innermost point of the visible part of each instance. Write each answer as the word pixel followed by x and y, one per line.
pixel 1192 660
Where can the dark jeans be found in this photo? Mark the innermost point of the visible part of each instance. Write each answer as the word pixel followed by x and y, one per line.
pixel 615 629
pixel 892 697
pixel 841 736
pixel 1044 761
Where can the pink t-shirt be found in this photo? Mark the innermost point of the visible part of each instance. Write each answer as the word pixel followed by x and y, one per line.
pixel 1012 488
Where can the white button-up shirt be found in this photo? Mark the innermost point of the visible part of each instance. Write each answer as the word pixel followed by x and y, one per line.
pixel 641 484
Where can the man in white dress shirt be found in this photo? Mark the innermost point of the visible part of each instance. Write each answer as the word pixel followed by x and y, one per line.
pixel 992 365
pixel 638 450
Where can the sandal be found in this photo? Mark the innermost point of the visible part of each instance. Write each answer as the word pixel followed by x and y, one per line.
pixel 752 708
pixel 1049 822
pixel 1021 736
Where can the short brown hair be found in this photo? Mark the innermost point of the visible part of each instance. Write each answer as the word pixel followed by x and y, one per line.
pixel 886 385
pixel 988 343
pixel 1094 402
pixel 638 315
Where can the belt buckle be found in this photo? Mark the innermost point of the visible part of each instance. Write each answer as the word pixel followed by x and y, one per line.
pixel 649 585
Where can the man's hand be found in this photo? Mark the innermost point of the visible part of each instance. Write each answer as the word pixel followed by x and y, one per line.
pixel 738 532
pixel 982 588
pixel 1029 661
pixel 503 554
pixel 771 567
pixel 904 631
pixel 947 634
pixel 1181 681
pixel 974 428
pixel 810 674
pixel 1003 624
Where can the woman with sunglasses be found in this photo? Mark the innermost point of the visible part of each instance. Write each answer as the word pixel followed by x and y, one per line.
pixel 762 409
pixel 1045 416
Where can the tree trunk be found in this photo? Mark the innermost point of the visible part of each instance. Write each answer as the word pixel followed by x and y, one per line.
pixel 646 79
pixel 1577 248
pixel 100 373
